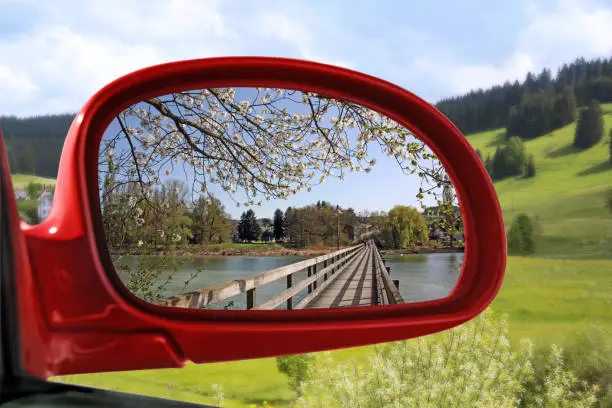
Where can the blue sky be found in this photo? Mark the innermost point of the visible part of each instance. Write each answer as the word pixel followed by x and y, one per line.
pixel 54 55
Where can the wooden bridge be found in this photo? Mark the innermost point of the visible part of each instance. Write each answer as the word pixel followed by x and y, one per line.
pixel 354 276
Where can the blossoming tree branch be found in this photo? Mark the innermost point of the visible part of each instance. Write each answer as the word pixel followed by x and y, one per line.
pixel 255 144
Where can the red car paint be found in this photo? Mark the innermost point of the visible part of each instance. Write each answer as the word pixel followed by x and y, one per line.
pixel 76 317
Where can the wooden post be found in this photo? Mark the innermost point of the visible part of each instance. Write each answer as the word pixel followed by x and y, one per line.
pixel 396 283
pixel 325 266
pixel 290 300
pixel 309 274
pixel 314 272
pixel 388 269
pixel 250 299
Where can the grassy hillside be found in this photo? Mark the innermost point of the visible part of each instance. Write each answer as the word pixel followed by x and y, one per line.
pixel 564 288
pixel 567 194
pixel 22 180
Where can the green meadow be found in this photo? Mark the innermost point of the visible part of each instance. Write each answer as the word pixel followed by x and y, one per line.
pixel 22 180
pixel 564 288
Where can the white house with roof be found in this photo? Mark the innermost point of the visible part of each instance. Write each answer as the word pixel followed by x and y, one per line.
pixel 44 203
pixel 20 194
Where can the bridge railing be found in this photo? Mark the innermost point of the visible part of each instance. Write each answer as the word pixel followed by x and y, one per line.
pixel 200 298
pixel 386 287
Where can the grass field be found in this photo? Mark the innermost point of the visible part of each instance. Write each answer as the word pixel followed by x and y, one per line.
pixel 567 194
pixel 545 300
pixel 564 288
pixel 22 180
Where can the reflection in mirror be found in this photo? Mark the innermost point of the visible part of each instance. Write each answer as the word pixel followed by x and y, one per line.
pixel 253 198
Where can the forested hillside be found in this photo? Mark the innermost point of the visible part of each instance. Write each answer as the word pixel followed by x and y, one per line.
pixel 533 99
pixel 34 144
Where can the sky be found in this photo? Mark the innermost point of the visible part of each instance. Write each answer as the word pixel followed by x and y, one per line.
pixel 54 55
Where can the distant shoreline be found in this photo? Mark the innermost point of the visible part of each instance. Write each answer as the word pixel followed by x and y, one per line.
pixel 206 252
pixel 416 251
pixel 272 251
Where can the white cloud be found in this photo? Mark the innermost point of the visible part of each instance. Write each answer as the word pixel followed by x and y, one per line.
pixel 64 60
pixel 550 38
pixel 78 49
pixel 457 77
pixel 574 28
pixel 15 85
pixel 277 25
pixel 74 49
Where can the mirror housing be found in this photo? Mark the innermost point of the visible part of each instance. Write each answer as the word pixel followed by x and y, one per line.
pixel 91 323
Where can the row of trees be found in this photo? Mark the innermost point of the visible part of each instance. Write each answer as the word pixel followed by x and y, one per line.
pixel 511 159
pixel 166 218
pixel 402 227
pixel 541 112
pixel 326 224
pixel 310 225
pixel 319 223
pixel 34 144
pixel 540 101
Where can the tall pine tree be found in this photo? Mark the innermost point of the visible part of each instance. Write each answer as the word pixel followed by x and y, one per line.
pixel 530 170
pixel 248 228
pixel 590 126
pixel 610 146
pixel 278 224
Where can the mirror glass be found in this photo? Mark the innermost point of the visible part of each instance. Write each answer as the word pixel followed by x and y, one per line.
pixel 256 198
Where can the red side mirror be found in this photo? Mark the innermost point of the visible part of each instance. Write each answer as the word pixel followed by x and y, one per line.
pixel 75 315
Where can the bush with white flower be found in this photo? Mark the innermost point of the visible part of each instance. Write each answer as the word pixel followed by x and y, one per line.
pixel 473 365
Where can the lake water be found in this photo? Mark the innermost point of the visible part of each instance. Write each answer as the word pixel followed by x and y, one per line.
pixel 422 277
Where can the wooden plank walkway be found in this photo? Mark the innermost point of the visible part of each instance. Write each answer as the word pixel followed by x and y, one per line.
pixel 353 276
pixel 356 285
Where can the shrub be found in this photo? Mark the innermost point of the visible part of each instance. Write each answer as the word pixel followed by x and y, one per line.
pixel 296 367
pixel 471 365
pixel 589 355
pixel 520 236
pixel 34 190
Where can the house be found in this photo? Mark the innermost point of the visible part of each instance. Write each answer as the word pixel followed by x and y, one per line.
pixel 45 199
pixel 432 217
pixel 21 194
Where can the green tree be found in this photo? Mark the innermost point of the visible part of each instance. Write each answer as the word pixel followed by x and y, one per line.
pixel 248 228
pixel 515 156
pixel 279 224
pixel 509 160
pixel 297 369
pixel 267 235
pixel 211 224
pixel 530 169
pixel 32 217
pixel 407 225
pixel 520 236
pixel 498 164
pixel 610 146
pixel 489 164
pixel 34 190
pixel 176 220
pixel 590 126
pixel 564 108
